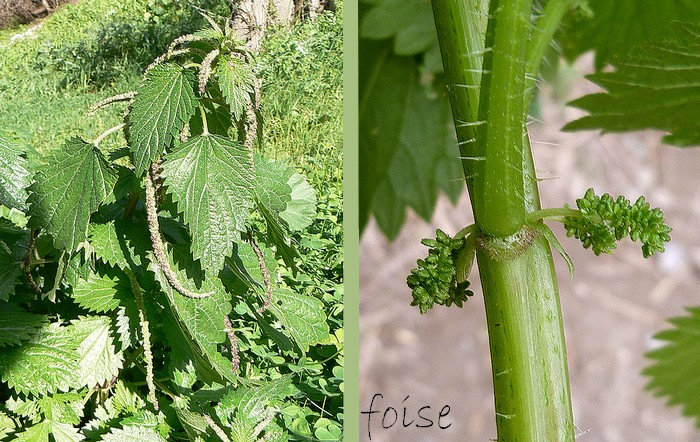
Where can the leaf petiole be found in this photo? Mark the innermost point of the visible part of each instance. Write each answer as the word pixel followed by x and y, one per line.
pixel 205 126
pixel 471 228
pixel 552 213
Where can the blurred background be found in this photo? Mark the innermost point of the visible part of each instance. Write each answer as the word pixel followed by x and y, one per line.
pixel 611 310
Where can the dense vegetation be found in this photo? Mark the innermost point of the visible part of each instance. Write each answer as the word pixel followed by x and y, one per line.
pixel 446 87
pixel 147 361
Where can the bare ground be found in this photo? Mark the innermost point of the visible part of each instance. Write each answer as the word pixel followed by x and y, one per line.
pixel 611 309
pixel 14 12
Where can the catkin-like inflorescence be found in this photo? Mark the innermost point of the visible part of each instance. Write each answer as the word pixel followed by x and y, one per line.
pixel 27 263
pixel 235 358
pixel 205 70
pixel 603 221
pixel 217 429
pixel 146 335
pixel 434 280
pixel 263 424
pixel 166 56
pixel 127 96
pixel 159 247
pixel 265 272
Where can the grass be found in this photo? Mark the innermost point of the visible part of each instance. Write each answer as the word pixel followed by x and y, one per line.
pixel 302 91
pixel 81 53
pixel 96 48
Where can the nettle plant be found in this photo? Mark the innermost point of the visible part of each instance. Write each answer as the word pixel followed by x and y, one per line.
pixel 486 58
pixel 128 278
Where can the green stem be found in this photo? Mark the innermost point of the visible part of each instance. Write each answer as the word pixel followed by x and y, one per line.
pixel 471 228
pixel 526 337
pixel 543 32
pixel 500 200
pixel 205 126
pixel 462 54
pixel 528 352
pixel 555 212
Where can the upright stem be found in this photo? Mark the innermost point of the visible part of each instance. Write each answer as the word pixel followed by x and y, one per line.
pixel 462 55
pixel 526 337
pixel 500 200
pixel 543 31
pixel 528 350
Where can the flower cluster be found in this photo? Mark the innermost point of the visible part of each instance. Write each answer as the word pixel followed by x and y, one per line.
pixel 434 280
pixel 603 221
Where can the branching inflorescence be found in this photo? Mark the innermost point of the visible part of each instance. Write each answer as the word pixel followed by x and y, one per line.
pixel 435 279
pixel 599 222
pixel 603 220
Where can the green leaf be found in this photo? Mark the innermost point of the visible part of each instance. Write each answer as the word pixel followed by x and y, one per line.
pixel 409 22
pixel 193 423
pixel 408 150
pixel 385 84
pixel 301 210
pixel 10 271
pixel 60 411
pixel 58 358
pixel 46 363
pixel 330 433
pixel 242 429
pixel 654 86
pixel 17 325
pixel 165 101
pixel 7 425
pixel 57 278
pixel 389 209
pixel 118 243
pixel 36 433
pixel 126 324
pixel 125 399
pixel 14 174
pixel 427 158
pixel 98 293
pixel 28 408
pixel 252 402
pixel 200 320
pixel 218 120
pixel 615 27
pixel 133 434
pixel 245 267
pixel 274 195
pixel 674 373
pixel 211 179
pixel 236 83
pixel 65 433
pixel 97 359
pixel 301 315
pixel 64 195
pixel 278 235
pixel 67 408
pixel 272 187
